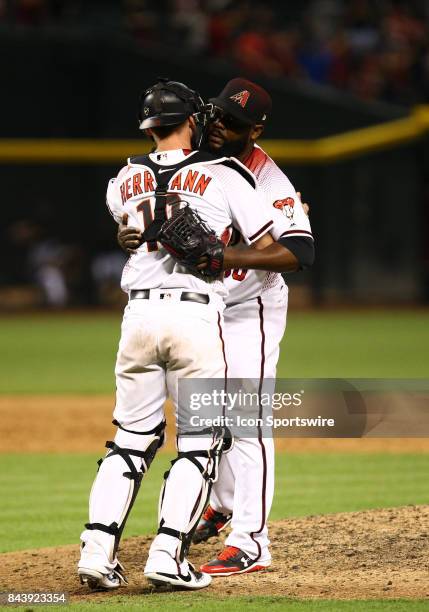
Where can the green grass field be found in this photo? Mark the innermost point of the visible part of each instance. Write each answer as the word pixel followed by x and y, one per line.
pixel 53 489
pixel 75 354
pixel 198 603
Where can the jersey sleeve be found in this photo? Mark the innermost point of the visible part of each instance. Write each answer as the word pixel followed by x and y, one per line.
pixel 113 197
pixel 289 218
pixel 244 200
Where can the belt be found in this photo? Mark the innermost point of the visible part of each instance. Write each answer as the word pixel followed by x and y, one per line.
pixel 186 296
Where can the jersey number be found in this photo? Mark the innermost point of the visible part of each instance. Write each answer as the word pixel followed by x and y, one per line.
pixel 238 274
pixel 145 207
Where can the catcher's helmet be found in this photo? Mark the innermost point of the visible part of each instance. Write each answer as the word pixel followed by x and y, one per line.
pixel 169 103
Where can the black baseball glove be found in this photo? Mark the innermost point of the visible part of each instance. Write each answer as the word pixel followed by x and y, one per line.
pixel 192 243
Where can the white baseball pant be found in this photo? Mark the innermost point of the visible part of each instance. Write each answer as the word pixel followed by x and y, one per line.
pixel 162 340
pixel 245 486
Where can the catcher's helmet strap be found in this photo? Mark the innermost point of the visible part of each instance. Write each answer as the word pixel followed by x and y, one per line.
pixel 157 100
pixel 162 181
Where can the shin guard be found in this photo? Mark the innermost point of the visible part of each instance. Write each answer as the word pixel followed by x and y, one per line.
pixel 115 490
pixel 186 491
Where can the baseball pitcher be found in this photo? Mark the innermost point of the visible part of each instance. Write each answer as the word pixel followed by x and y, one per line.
pixel 255 321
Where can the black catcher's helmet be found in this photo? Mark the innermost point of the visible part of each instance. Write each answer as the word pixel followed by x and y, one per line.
pixel 169 103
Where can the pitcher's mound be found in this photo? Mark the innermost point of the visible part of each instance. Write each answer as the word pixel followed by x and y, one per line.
pixel 373 554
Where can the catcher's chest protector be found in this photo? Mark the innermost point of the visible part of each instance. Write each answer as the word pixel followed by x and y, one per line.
pixel 162 181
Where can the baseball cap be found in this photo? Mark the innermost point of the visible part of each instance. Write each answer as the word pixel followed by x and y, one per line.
pixel 244 100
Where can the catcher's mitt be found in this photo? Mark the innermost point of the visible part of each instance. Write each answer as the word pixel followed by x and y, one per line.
pixel 187 238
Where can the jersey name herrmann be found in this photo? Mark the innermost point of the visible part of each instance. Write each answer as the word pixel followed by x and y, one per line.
pixel 217 192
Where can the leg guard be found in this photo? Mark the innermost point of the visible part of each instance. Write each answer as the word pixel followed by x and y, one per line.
pixel 114 492
pixel 189 480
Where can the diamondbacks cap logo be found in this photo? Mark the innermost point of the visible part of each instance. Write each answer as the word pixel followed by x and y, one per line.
pixel 146 111
pixel 286 205
pixel 241 97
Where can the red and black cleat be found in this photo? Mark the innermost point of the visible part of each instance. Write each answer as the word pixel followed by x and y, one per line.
pixel 210 525
pixel 231 561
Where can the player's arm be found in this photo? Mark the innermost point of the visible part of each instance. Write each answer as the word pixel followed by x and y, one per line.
pixel 284 255
pixel 250 217
pixel 113 199
pixel 287 246
pixel 129 238
pixel 292 246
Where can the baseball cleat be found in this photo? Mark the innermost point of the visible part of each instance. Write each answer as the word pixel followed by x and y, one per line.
pixel 97 581
pixel 210 525
pixel 231 561
pixel 193 580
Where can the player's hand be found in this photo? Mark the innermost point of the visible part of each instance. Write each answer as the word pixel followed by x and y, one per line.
pixel 129 238
pixel 202 262
pixel 305 206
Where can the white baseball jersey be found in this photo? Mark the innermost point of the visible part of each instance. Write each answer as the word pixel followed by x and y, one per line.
pixel 255 322
pixel 221 196
pixel 289 219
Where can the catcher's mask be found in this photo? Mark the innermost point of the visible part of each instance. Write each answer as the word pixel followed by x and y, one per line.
pixel 171 103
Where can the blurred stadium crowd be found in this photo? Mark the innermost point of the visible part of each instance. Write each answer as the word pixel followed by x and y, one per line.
pixel 375 49
pixel 47 270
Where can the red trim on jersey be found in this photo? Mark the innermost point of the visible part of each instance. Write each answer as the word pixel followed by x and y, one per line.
pixel 187 151
pixel 224 355
pixel 261 231
pixel 260 440
pixel 297 231
pixel 256 160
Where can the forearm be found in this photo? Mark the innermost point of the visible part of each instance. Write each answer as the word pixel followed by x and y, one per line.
pixel 289 254
pixel 274 258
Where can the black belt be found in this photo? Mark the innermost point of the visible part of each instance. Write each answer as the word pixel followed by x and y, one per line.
pixel 187 296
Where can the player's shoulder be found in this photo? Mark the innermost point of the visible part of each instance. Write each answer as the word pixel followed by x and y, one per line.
pixel 194 160
pixel 260 163
pixel 114 182
pixel 270 176
pixel 230 170
pixel 122 172
pixel 222 169
pixel 113 186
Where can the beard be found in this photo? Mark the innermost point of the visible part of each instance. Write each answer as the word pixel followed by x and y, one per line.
pixel 229 148
pixel 235 147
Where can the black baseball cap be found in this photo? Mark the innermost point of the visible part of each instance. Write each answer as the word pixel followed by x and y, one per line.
pixel 244 100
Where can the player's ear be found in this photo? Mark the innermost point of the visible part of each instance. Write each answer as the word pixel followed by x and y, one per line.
pixel 149 134
pixel 192 131
pixel 191 123
pixel 256 131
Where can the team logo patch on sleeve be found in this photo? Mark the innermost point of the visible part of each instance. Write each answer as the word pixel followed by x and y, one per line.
pixel 241 97
pixel 286 205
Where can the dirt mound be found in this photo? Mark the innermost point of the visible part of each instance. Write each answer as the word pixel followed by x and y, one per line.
pixel 374 554
pixel 81 424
